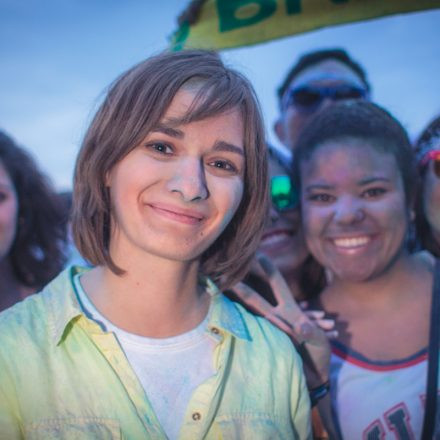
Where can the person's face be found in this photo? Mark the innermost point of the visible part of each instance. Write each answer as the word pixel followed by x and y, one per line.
pixel 314 89
pixel 354 209
pixel 431 197
pixel 283 240
pixel 8 212
pixel 175 193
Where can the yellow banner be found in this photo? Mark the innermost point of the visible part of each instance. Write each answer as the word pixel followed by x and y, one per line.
pixel 219 24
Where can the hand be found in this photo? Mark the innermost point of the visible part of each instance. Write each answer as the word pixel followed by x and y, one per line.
pixel 309 330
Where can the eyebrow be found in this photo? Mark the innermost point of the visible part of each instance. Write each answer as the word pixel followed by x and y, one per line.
pixel 170 131
pixel 179 134
pixel 373 179
pixel 362 182
pixel 226 146
pixel 317 186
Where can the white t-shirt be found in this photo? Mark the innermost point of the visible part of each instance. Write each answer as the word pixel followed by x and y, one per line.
pixel 169 369
pixel 378 400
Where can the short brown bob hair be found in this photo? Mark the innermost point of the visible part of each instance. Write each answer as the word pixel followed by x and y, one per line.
pixel 134 105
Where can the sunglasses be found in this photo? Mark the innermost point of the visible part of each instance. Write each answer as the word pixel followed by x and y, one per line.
pixel 283 193
pixel 433 155
pixel 308 99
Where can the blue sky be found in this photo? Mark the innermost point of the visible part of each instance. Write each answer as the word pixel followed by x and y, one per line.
pixel 58 56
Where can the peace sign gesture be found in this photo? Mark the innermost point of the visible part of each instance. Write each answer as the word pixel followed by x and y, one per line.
pixel 309 330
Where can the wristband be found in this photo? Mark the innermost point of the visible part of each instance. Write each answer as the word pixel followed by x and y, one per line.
pixel 319 392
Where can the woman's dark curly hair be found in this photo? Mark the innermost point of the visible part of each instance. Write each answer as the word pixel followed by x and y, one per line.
pixel 37 252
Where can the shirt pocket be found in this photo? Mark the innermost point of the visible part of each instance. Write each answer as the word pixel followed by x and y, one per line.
pixel 74 428
pixel 255 427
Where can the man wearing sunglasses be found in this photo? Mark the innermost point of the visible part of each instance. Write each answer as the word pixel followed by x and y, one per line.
pixel 318 79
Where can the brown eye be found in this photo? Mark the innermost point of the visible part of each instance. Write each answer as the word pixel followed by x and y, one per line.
pixel 374 192
pixel 225 165
pixel 324 198
pixel 161 148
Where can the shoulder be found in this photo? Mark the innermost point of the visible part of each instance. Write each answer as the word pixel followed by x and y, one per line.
pixel 263 336
pixel 33 319
pixel 23 316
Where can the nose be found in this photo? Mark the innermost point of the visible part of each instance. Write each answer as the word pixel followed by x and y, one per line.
pixel 349 211
pixel 189 180
pixel 326 102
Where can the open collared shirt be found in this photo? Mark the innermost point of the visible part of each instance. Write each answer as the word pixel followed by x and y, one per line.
pixel 63 377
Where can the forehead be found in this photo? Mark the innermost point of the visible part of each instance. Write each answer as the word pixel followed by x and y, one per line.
pixel 348 160
pixel 186 101
pixel 327 72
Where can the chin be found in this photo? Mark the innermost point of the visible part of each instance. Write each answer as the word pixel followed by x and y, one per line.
pixel 355 275
pixel 290 265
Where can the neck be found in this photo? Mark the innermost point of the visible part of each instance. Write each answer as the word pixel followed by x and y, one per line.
pixel 387 288
pixel 155 297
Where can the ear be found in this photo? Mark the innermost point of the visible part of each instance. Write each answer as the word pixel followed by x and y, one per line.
pixel 278 128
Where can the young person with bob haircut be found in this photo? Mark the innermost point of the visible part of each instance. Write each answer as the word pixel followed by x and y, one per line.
pixel 170 196
pixel 32 233
pixel 355 168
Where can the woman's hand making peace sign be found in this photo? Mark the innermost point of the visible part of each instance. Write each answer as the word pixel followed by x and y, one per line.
pixel 308 329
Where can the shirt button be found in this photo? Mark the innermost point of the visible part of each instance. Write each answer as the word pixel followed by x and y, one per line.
pixel 215 330
pixel 196 416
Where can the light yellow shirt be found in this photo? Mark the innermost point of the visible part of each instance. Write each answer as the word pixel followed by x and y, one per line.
pixel 62 377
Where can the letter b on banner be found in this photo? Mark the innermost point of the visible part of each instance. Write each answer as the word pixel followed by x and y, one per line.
pixel 241 13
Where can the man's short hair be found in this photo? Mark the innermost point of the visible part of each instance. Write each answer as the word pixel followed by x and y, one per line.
pixel 311 58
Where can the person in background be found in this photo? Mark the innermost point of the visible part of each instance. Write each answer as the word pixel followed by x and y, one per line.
pixel 355 168
pixel 318 79
pixel 170 192
pixel 283 241
pixel 32 235
pixel 427 149
pixel 285 273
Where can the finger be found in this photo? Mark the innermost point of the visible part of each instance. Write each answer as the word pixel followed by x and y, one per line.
pixel 315 314
pixel 251 298
pixel 281 290
pixel 333 334
pixel 325 324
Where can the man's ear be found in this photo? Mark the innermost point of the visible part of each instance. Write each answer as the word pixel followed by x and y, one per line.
pixel 278 128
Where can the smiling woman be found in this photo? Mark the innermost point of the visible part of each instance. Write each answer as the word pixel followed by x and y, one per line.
pixel 170 196
pixel 355 169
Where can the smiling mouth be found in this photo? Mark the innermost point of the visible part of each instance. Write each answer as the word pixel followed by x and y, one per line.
pixel 352 242
pixel 275 238
pixel 185 217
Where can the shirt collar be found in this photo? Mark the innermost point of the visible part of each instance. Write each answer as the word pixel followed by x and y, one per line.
pixel 225 314
pixel 63 301
pixel 65 308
